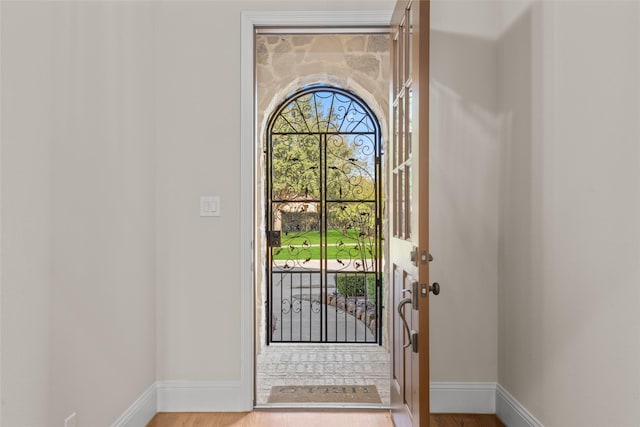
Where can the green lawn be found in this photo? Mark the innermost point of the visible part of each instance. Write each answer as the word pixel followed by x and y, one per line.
pixel 313 237
pixel 313 252
pixel 301 246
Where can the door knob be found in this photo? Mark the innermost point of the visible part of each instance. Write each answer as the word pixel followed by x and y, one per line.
pixel 435 288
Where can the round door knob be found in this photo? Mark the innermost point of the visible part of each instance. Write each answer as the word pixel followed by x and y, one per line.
pixel 435 288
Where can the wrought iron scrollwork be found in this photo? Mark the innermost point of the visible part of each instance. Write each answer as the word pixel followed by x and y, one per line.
pixel 324 197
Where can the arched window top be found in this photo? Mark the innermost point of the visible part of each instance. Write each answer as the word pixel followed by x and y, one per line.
pixel 323 109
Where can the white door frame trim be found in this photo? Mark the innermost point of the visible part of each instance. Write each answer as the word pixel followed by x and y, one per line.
pixel 248 132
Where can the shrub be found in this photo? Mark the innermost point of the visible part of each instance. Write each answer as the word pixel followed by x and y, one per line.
pixel 354 285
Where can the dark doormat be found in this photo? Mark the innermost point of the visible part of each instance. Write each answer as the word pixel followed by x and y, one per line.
pixel 324 394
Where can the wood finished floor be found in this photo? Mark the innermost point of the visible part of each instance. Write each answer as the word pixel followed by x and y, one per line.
pixel 312 419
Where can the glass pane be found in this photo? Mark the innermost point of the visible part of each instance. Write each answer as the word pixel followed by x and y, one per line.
pixel 401 202
pixel 394 206
pixel 409 150
pixel 409 124
pixel 402 63
pixel 409 44
pixel 397 77
pixel 401 131
pixel 408 198
pixel 394 142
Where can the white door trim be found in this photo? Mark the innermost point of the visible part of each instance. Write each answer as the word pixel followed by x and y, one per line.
pixel 250 20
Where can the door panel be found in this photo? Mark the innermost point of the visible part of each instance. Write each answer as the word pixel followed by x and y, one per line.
pixel 409 200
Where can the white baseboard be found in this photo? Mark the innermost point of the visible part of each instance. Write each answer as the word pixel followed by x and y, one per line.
pixel 141 411
pixel 226 396
pixel 201 396
pixel 461 397
pixel 511 412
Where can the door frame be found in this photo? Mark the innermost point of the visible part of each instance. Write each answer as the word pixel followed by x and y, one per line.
pixel 248 160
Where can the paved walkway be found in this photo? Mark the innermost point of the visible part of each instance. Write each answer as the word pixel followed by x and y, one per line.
pixel 322 364
pixel 299 314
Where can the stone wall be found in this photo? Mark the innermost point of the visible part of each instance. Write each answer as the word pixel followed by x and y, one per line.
pixel 357 62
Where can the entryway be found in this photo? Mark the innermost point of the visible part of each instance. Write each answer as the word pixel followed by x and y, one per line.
pixel 321 320
pixel 324 219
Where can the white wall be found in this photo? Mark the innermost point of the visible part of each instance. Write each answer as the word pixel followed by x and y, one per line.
pixel 198 143
pixel 535 145
pixel 465 130
pixel 26 209
pixel 78 285
pixel 569 338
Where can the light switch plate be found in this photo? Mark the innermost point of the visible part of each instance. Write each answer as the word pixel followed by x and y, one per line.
pixel 210 206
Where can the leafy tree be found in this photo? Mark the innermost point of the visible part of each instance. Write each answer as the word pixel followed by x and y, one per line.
pixel 299 141
pixel 296 148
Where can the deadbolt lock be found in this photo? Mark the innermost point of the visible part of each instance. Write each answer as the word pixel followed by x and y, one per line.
pixel 413 255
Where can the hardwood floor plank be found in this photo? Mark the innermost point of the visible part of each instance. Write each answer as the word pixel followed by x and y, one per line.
pixel 324 418
pixel 465 420
pixel 443 420
pixel 274 419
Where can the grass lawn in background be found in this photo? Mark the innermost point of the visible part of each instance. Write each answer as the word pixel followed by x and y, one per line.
pixel 313 252
pixel 306 245
pixel 313 237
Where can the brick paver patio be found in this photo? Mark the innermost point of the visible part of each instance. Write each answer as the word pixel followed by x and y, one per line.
pixel 322 364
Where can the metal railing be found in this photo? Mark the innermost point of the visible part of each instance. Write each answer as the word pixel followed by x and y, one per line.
pixel 333 307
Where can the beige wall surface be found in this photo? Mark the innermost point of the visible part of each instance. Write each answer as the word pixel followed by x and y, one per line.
pixel 26 232
pixel 198 146
pixel 535 201
pixel 78 278
pixel 465 146
pixel 569 324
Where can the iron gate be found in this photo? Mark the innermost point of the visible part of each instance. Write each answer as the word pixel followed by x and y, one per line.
pixel 324 210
